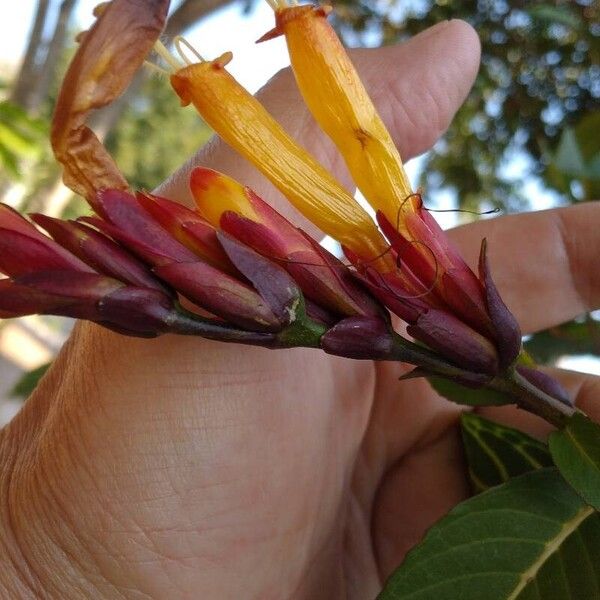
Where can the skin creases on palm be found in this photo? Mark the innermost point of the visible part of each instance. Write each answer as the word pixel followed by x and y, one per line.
pixel 244 472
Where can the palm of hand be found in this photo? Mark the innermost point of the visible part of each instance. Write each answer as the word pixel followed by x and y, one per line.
pixel 282 474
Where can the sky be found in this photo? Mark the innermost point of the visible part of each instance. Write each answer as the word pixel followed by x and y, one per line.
pixel 227 29
pixel 253 65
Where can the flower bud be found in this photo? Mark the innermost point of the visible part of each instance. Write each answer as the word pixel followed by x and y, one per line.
pixel 127 309
pixel 23 249
pixel 98 251
pixel 245 216
pixel 188 228
pixel 359 337
pixel 466 348
pixel 430 256
pixel 506 328
pixel 125 220
pixel 436 327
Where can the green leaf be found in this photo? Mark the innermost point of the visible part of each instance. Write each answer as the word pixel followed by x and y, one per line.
pixel 586 131
pixel 28 382
pixel 495 453
pixel 532 538
pixel 548 14
pixel 568 158
pixel 463 395
pixel 575 337
pixel 576 452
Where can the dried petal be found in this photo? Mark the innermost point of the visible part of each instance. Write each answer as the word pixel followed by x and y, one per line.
pixel 106 60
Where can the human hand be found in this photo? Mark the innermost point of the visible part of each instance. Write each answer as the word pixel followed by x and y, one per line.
pixel 182 468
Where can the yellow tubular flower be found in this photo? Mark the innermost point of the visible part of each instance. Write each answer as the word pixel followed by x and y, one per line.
pixel 340 104
pixel 245 125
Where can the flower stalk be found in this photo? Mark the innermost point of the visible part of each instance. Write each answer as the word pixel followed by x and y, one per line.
pixel 533 399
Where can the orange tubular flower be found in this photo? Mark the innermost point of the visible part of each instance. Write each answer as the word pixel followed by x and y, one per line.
pixel 431 269
pixel 244 124
pixel 340 104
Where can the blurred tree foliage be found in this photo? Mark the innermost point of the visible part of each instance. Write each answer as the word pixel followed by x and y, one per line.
pixel 21 137
pixel 539 75
pixel 155 135
pixel 581 336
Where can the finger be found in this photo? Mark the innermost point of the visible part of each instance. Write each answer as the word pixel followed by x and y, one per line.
pixel 544 263
pixel 415 493
pixel 417 87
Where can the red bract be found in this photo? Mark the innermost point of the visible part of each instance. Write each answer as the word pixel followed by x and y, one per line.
pixel 246 299
pixel 446 306
pixel 125 273
pixel 261 279
pixel 44 277
pixel 188 228
pixel 98 251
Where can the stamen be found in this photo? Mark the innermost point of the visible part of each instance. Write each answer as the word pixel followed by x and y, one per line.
pixel 162 51
pixel 180 41
pixel 277 5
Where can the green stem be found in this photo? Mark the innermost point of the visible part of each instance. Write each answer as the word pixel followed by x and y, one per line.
pixel 184 322
pixel 406 351
pixel 306 333
pixel 512 383
pixel 301 333
pixel 528 397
